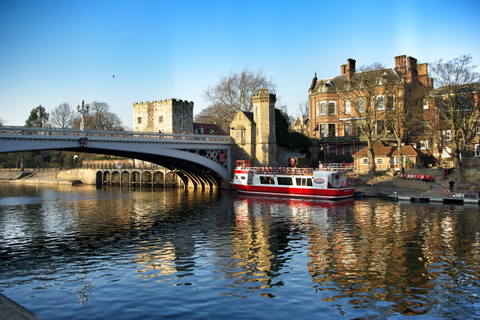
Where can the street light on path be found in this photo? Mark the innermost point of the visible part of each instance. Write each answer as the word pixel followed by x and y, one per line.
pixel 83 111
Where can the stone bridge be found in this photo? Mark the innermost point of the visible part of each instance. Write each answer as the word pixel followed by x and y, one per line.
pixel 201 161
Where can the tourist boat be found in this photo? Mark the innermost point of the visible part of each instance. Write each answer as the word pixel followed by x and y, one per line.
pixel 326 182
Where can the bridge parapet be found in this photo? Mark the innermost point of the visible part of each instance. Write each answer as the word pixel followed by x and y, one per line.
pixel 47 133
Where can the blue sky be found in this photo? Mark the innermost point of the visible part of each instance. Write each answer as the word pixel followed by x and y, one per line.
pixel 53 52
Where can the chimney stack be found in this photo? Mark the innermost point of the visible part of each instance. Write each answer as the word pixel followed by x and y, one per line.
pixel 343 69
pixel 400 65
pixel 350 68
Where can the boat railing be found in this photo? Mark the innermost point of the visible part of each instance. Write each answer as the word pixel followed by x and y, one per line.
pixel 302 171
pixel 336 167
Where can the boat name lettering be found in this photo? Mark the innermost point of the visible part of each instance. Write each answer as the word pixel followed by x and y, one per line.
pixel 319 180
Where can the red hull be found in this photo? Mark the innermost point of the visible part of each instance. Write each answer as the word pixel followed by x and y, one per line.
pixel 297 192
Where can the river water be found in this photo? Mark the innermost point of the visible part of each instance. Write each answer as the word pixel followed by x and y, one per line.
pixel 85 253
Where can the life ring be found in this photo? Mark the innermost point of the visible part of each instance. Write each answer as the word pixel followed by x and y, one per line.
pixel 266 170
pixel 257 170
pixel 305 172
pixel 320 166
pixel 342 184
pixel 292 161
pixel 447 191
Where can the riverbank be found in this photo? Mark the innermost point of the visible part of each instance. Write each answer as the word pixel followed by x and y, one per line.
pixel 34 177
pixel 367 187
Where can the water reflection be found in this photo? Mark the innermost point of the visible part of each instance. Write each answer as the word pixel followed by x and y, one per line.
pixel 369 258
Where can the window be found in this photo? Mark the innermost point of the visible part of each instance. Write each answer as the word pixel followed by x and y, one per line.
pixel 380 126
pixel 304 182
pixel 323 130
pixel 447 135
pixel 240 136
pixel 424 145
pixel 425 126
pixel 331 130
pixel 332 109
pixel 477 129
pixel 347 149
pixel 365 161
pixel 285 181
pixel 348 107
pixel 477 150
pixel 379 161
pixel 390 102
pixel 347 129
pixel 266 180
pixel 160 119
pixel 379 102
pixel 139 120
pixel 425 104
pixel 323 108
pixel 361 106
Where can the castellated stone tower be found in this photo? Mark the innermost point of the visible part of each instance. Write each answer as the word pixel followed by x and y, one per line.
pixel 167 116
pixel 264 117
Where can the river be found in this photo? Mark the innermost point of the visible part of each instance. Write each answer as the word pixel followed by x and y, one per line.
pixel 78 252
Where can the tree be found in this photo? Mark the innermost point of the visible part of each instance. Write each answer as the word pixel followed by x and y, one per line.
pixel 286 138
pixel 403 117
pixel 369 91
pixel 63 116
pixel 101 118
pixel 35 117
pixel 232 94
pixel 457 104
pixel 304 109
pixel 2 122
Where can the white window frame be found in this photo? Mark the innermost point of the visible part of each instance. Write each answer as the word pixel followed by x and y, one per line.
pixel 425 104
pixel 477 150
pixel 323 130
pixel 323 108
pixel 345 129
pixel 447 135
pixel 379 102
pixel 362 108
pixel 477 129
pixel 365 161
pixel 348 107
pixel 379 161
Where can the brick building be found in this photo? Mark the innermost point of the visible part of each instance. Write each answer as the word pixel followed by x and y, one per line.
pixel 337 106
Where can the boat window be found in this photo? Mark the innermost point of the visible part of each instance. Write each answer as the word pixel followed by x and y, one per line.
pixel 304 182
pixel 285 181
pixel 267 180
pixel 242 177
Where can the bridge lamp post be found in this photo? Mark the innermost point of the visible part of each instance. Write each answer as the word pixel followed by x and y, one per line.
pixel 43 117
pixel 83 111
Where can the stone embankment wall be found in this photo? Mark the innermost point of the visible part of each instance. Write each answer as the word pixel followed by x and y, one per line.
pixel 87 176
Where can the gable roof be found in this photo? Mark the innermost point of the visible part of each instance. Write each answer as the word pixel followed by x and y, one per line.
pixel 208 128
pixel 382 150
pixel 331 82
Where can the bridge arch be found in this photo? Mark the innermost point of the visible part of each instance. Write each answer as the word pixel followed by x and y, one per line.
pixel 200 161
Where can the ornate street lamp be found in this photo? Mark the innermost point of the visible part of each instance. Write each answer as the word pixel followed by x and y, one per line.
pixel 42 116
pixel 83 111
